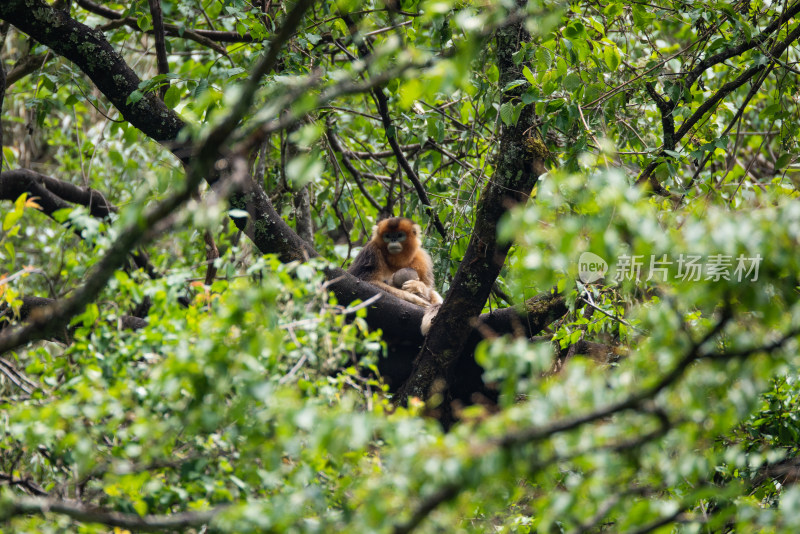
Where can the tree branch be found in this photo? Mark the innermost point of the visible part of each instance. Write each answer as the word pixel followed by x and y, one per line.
pixel 446 493
pixel 776 51
pixel 382 103
pixel 391 137
pixel 205 36
pixel 25 66
pixel 80 512
pixel 264 226
pixel 90 51
pixel 54 318
pixel 355 173
pixel 636 400
pixel 53 194
pixel 454 488
pixel 161 49
pixel 743 47
pixel 34 305
pixel 667 120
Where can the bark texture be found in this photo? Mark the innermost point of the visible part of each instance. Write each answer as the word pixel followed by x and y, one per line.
pixel 520 161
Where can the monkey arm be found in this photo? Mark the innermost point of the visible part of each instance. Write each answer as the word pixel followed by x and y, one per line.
pixel 399 293
pixel 424 266
pixel 424 291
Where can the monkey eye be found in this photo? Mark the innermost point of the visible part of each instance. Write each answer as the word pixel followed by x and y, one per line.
pixel 394 236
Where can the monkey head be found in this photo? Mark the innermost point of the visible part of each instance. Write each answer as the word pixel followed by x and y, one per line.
pixel 402 276
pixel 397 235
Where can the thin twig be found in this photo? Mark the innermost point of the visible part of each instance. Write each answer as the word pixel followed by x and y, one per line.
pixel 161 48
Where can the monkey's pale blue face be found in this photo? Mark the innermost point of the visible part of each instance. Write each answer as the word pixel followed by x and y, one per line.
pixel 394 241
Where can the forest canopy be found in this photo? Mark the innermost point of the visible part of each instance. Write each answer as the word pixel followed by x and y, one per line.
pixel 608 195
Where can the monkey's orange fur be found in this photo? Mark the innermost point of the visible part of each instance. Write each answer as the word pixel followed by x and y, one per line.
pixel 377 264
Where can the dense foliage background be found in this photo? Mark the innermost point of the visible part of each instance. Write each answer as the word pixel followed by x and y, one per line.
pixel 182 179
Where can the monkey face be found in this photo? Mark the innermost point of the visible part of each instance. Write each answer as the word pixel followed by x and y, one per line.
pixel 394 241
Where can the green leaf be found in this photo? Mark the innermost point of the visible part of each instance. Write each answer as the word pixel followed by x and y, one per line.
pixel 555 105
pixel 611 57
pixel 410 92
pixel 530 96
pixel 19 203
pixel 303 169
pixel 10 249
pixel 544 59
pixel 61 216
pixel 144 21
pixel 575 30
pixel 202 87
pixel 10 220
pixel 513 84
pixel 493 73
pixel 613 9
pixel 507 113
pixel 9 155
pixel 528 75
pixel 172 96
pixel 783 160
pixel 641 16
pixel 572 81
pixel 12 217
pixel 90 315
pixel 134 97
pixel 561 66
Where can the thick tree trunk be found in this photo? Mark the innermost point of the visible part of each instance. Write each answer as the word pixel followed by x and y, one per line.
pixel 520 161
